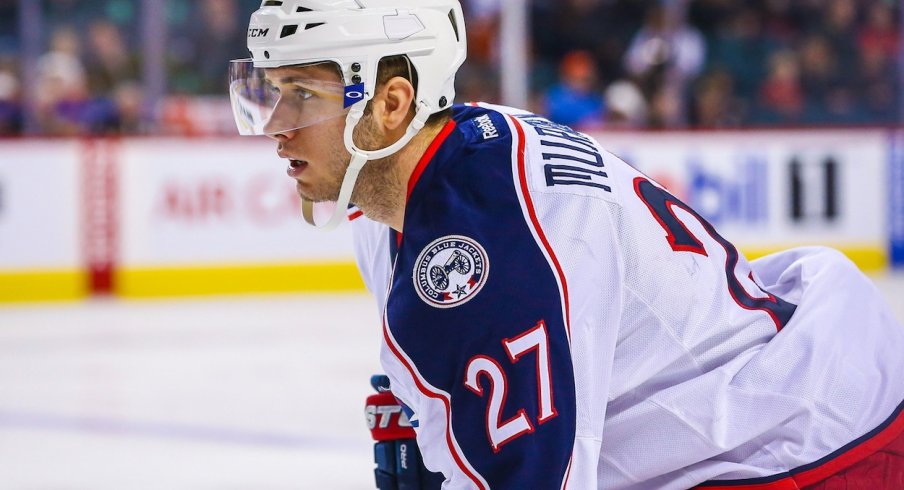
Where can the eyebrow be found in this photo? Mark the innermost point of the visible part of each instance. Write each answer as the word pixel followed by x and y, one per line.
pixel 294 80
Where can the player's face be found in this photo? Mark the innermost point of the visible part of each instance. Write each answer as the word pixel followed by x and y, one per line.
pixel 316 153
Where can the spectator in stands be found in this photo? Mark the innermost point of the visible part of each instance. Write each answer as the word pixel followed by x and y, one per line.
pixel 10 103
pixel 576 101
pixel 64 105
pixel 781 22
pixel 626 106
pixel 478 79
pixel 9 42
pixel 710 15
pixel 822 81
pixel 666 54
pixel 61 94
pixel 61 82
pixel 840 31
pixel 781 96
pixel 483 27
pixel 790 61
pixel 878 84
pixel 740 48
pixel 210 37
pixel 130 117
pixel 715 105
pixel 841 104
pixel 880 33
pixel 109 61
pixel 667 108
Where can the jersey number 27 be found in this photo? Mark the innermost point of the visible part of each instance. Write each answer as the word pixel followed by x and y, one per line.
pixel 499 432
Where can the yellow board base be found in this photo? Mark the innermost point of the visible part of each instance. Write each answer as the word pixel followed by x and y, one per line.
pixel 168 282
pixel 17 287
pixel 868 258
pixel 32 286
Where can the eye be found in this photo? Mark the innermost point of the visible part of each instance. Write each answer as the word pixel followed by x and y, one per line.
pixel 302 93
pixel 272 91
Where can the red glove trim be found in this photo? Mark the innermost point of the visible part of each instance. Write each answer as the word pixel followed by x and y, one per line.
pixel 386 420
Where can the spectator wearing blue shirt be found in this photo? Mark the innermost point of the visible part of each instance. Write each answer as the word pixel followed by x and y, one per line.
pixel 575 100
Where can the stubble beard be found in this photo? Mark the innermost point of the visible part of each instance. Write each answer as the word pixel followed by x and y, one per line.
pixel 377 190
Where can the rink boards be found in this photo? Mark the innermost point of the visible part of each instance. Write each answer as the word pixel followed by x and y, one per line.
pixel 148 217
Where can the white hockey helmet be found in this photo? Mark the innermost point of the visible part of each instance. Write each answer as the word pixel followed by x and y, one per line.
pixel 354 35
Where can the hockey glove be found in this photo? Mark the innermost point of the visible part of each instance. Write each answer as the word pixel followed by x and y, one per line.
pixel 397 456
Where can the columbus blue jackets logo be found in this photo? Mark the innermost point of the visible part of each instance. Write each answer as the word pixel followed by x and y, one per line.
pixel 450 271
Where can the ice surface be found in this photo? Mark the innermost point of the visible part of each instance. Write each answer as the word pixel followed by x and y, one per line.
pixel 220 394
pixel 249 393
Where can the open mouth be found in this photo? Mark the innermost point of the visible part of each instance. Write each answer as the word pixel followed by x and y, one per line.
pixel 296 168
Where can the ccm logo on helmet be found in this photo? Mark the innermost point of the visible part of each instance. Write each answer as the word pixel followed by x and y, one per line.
pixel 255 32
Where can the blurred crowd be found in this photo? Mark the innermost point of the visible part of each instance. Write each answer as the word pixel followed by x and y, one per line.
pixel 90 77
pixel 717 63
pixel 594 63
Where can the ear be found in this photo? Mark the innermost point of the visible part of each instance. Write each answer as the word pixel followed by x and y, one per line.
pixel 397 96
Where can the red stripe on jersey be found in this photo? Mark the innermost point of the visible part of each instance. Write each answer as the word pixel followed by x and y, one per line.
pixel 436 396
pixel 428 156
pixel 522 177
pixel 568 472
pixel 357 214
pixel 424 161
pixel 837 464
pixel 854 455
pixel 783 484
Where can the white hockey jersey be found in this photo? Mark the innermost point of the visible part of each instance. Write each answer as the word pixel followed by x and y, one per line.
pixel 554 319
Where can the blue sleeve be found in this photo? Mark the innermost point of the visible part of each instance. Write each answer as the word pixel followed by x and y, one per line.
pixel 477 306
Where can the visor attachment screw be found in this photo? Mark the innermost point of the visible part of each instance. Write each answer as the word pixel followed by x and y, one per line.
pixel 356 79
pixel 443 101
pixel 356 67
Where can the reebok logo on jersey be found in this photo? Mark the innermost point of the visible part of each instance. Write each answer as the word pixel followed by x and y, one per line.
pixel 450 271
pixel 485 124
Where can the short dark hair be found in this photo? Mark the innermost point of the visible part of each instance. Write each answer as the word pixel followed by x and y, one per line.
pixel 399 66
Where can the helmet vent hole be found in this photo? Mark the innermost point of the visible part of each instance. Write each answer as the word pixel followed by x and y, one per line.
pixel 302 9
pixel 454 25
pixel 288 31
pixel 272 3
pixel 311 26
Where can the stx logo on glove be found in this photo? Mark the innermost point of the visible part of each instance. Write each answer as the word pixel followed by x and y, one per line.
pixel 384 413
pixel 386 420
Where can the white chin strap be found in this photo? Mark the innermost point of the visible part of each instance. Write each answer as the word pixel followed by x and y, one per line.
pixel 359 159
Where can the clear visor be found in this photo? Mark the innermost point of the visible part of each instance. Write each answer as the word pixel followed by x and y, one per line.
pixel 267 101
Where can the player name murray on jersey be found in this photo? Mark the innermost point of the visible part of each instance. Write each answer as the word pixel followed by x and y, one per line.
pixel 574 158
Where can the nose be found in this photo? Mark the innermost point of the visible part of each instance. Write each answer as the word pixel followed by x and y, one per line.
pixel 281 120
pixel 284 136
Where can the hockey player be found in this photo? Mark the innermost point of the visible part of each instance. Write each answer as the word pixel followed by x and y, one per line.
pixel 551 317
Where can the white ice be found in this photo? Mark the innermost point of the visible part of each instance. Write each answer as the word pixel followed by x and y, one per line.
pixel 241 393
pixel 251 393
